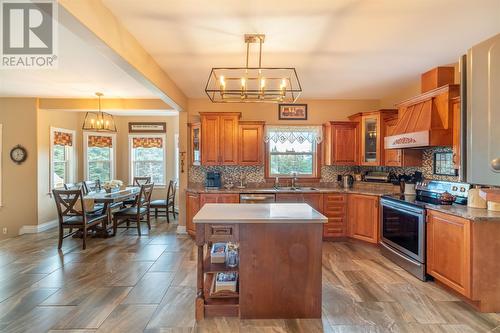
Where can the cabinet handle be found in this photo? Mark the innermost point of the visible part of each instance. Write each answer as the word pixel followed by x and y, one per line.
pixel 495 164
pixel 454 158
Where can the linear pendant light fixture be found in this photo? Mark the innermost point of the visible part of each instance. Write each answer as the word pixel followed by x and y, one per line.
pixel 99 121
pixel 253 84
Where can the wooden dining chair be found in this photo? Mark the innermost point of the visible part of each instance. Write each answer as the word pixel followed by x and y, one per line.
pixel 137 212
pixel 72 186
pixel 138 181
pixel 91 186
pixel 73 215
pixel 167 204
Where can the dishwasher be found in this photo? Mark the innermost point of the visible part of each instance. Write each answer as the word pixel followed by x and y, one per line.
pixel 253 198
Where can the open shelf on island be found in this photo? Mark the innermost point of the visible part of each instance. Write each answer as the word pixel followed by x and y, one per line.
pixel 226 294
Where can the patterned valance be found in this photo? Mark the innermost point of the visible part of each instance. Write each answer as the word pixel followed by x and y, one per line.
pixel 147 142
pixel 300 134
pixel 100 141
pixel 63 139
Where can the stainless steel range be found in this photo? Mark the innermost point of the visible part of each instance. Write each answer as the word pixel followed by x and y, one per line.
pixel 402 227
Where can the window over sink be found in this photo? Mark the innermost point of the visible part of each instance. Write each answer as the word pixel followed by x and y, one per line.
pixel 293 149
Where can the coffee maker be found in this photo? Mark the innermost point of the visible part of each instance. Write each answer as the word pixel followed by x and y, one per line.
pixel 213 180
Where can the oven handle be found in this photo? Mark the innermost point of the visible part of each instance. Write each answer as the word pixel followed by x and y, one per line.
pixel 395 205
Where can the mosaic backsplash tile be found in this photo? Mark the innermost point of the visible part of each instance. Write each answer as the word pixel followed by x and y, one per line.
pixel 255 174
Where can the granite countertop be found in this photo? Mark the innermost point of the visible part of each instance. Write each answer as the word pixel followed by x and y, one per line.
pixel 259 213
pixel 473 214
pixel 361 189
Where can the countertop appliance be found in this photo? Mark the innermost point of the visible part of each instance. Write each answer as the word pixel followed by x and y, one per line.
pixel 377 176
pixel 213 180
pixel 347 181
pixel 253 198
pixel 402 222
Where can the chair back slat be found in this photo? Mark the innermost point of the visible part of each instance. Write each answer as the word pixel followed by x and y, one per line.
pixel 73 186
pixel 138 181
pixel 66 203
pixel 91 186
pixel 144 198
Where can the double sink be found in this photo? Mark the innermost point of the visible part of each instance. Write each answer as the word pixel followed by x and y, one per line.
pixel 298 189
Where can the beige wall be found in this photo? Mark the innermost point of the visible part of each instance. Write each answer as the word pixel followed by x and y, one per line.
pixel 46 120
pixel 19 119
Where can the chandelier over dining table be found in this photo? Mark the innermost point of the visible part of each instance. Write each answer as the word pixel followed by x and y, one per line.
pixel 253 84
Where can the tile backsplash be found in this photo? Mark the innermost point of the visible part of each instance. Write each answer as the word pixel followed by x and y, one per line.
pixel 255 174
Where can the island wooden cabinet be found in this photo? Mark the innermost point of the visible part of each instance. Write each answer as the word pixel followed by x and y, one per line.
pixel 219 137
pixel 341 143
pixel 363 217
pixel 192 207
pixel 334 208
pixel 448 251
pixel 250 143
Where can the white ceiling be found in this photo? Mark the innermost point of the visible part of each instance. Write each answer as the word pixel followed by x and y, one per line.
pixel 81 72
pixel 341 49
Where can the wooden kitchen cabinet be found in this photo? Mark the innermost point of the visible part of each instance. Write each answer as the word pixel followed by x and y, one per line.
pixel 195 149
pixel 219 198
pixel 334 207
pixel 341 143
pixel 371 135
pixel 250 143
pixel 315 200
pixel 449 251
pixel 456 114
pixel 400 157
pixel 363 217
pixel 219 137
pixel 192 207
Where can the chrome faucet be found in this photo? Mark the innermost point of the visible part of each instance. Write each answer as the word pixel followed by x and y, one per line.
pixel 294 180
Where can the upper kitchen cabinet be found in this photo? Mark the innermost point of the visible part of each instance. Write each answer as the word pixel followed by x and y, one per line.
pixel 195 143
pixel 400 157
pixel 456 131
pixel 372 135
pixel 250 143
pixel 219 138
pixel 341 143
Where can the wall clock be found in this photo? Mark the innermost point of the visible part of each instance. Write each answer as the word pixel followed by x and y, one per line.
pixel 18 154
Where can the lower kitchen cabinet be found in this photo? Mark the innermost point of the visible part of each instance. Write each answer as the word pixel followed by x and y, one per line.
pixel 192 207
pixel 315 200
pixel 449 251
pixel 218 198
pixel 363 217
pixel 334 207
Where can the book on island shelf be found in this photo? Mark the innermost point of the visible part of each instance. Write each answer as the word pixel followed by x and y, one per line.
pixel 225 281
pixel 218 253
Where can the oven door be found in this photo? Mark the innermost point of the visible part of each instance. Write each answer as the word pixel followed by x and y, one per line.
pixel 403 228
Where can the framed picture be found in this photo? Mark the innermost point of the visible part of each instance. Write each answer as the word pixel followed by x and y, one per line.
pixel 158 127
pixel 443 164
pixel 292 112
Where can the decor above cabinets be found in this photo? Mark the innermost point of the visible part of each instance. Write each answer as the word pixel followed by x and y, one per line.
pixel 341 143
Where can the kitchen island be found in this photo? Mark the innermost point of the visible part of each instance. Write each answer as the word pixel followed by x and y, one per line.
pixel 279 270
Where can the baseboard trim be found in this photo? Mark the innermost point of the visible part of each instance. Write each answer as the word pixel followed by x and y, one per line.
pixel 33 229
pixel 181 230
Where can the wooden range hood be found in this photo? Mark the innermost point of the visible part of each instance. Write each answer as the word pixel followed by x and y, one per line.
pixel 424 120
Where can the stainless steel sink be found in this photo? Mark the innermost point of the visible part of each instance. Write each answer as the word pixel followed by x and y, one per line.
pixel 297 189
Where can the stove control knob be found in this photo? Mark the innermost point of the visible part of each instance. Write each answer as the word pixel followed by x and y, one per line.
pixel 454 188
pixel 462 189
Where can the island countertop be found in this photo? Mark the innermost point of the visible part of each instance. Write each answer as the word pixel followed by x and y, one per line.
pixel 259 213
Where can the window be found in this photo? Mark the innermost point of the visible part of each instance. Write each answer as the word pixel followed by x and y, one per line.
pixel 99 156
pixel 292 149
pixel 61 157
pixel 147 157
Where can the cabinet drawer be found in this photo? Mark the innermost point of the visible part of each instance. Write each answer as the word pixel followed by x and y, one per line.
pixel 222 232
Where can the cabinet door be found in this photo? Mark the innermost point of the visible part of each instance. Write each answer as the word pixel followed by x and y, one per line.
pixel 289 197
pixel 456 133
pixel 315 200
pixel 392 157
pixel 334 207
pixel 192 207
pixel 251 144
pixel 228 144
pixel 363 217
pixel 345 147
pixel 208 198
pixel 210 127
pixel 195 144
pixel 370 140
pixel 228 198
pixel 449 251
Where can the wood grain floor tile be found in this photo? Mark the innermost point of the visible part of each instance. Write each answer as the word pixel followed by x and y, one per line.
pixel 150 289
pixel 127 318
pixel 176 309
pixel 40 319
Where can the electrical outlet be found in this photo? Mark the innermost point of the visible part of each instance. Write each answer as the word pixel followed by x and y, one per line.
pixel 4 230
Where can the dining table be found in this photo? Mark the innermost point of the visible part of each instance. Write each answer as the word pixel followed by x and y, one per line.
pixel 108 199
